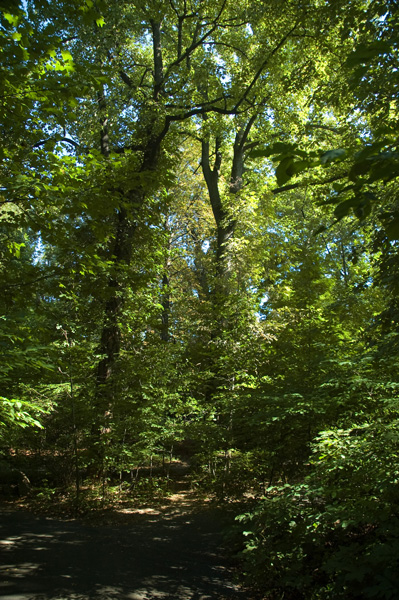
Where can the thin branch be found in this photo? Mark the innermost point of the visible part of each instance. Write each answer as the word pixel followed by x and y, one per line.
pixel 126 79
pixel 63 139
pixel 187 52
pixel 195 43
pixel 326 127
pixel 263 65
pixel 294 186
pixel 203 105
pixel 172 4
pixel 251 145
pixel 202 111
pixel 141 84
pixel 240 50
pixel 25 283
pixel 247 130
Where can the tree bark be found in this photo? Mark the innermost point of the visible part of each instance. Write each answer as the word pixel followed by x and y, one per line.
pixel 225 229
pixel 225 223
pixel 126 224
pixel 165 300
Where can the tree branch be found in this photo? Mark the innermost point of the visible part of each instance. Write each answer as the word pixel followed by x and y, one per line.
pixel 263 65
pixel 158 61
pixel 294 186
pixel 195 43
pixel 126 79
pixel 63 139
pixel 25 283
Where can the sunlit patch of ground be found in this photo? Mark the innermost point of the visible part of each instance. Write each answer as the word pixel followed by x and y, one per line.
pixel 164 497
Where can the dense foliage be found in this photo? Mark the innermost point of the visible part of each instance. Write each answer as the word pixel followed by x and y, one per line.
pixel 199 223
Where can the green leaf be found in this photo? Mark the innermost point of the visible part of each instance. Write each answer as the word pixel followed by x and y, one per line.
pixel 266 152
pixel 343 209
pixel 300 166
pixel 392 229
pixel 332 155
pixel 285 170
pixel 360 168
pixel 274 150
pixel 366 52
pixel 282 147
pixel 12 19
pixel 66 56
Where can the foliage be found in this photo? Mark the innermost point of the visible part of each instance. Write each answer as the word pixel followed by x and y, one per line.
pixel 18 412
pixel 360 171
pixel 162 297
pixel 335 536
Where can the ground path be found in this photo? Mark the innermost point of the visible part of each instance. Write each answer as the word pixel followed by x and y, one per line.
pixel 170 553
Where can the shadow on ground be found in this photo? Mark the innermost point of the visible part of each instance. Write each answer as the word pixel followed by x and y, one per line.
pixel 174 554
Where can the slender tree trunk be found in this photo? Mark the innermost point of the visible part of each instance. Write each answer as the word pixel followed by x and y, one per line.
pixel 126 223
pixel 165 300
pixel 225 230
pixel 225 222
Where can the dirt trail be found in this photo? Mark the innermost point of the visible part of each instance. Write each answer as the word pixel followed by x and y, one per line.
pixel 171 553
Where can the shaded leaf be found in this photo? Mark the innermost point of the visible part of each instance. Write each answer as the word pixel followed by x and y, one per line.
pixel 332 155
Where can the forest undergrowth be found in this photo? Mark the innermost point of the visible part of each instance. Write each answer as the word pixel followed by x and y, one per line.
pixel 199 233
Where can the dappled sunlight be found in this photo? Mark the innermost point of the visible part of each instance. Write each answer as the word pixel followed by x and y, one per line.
pixel 21 570
pixel 199 318
pixel 172 553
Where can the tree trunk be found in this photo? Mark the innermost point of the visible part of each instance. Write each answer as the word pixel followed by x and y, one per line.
pixel 126 223
pixel 225 229
pixel 165 301
pixel 225 222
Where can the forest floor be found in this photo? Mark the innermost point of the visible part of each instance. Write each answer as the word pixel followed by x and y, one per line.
pixel 173 551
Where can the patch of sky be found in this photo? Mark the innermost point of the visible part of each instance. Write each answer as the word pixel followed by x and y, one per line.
pixel 130 112
pixel 205 246
pixel 357 118
pixel 260 314
pixel 224 76
pixel 262 301
pixel 39 251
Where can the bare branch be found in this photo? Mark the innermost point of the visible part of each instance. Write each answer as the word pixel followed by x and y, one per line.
pixel 172 4
pixel 225 44
pixel 63 139
pixel 203 105
pixel 195 43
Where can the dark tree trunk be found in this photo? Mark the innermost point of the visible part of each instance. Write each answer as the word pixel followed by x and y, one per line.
pixel 225 223
pixel 165 300
pixel 225 229
pixel 126 225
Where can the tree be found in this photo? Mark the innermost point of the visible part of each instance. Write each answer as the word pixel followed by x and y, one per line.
pixel 172 274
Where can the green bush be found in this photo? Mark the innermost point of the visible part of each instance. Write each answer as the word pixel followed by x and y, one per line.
pixel 337 534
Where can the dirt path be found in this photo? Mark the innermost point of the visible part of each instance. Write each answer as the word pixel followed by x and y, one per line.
pixel 173 553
